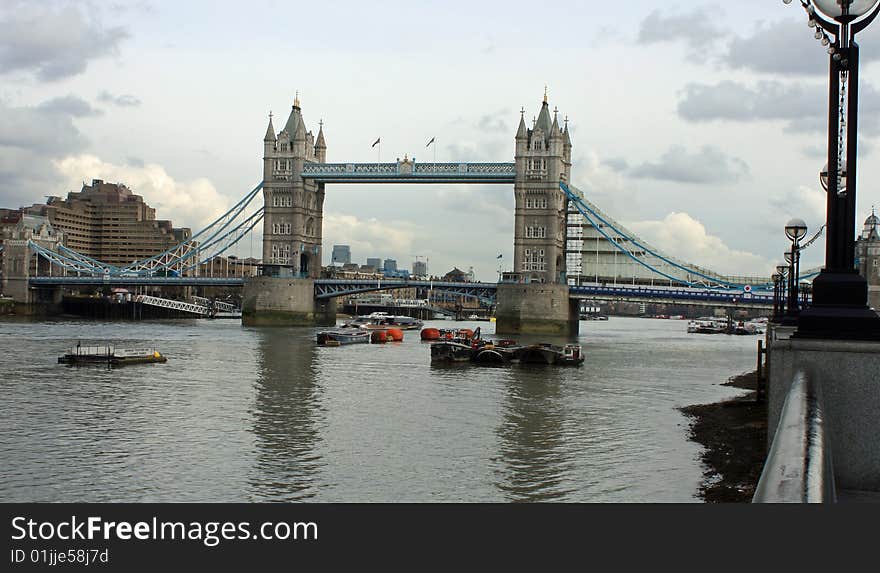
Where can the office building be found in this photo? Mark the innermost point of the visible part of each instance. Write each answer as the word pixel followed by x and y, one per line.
pixel 341 255
pixel 107 222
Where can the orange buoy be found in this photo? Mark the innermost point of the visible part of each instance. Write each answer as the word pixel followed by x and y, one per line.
pixel 378 336
pixel 449 335
pixel 395 334
pixel 467 332
pixel 430 334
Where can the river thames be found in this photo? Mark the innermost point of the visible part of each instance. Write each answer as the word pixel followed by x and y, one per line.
pixel 251 415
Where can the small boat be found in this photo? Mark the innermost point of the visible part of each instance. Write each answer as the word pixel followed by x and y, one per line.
pixel 478 318
pixel 707 325
pixel 383 320
pixel 111 355
pixel 745 328
pixel 342 337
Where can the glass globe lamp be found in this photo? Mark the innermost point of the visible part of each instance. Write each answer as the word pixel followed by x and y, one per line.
pixel 844 9
pixel 795 229
pixel 823 177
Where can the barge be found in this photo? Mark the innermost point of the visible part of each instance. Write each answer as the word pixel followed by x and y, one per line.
pixel 111 355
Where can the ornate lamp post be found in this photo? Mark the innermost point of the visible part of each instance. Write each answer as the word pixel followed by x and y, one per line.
pixel 777 278
pixel 840 294
pixel 780 306
pixel 795 230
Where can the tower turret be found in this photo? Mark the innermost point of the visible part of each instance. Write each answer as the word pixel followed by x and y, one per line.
pixel 321 145
pixel 268 149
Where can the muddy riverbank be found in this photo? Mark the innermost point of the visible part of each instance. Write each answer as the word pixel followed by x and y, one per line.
pixel 734 435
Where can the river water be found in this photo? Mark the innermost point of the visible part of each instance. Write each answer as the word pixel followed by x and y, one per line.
pixel 245 414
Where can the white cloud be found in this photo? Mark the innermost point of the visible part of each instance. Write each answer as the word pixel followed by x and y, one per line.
pixel 803 201
pixel 187 203
pixel 685 238
pixel 369 237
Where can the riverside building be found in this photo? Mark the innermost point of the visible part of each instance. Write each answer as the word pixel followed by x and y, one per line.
pixel 107 222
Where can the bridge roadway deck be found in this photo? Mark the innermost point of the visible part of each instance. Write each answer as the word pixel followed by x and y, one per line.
pixel 331 288
pixel 410 172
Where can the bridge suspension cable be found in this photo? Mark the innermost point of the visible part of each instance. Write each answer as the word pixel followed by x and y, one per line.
pixel 213 240
pixel 212 234
pixel 594 218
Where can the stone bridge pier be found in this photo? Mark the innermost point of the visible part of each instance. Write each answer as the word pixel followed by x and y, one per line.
pixel 279 301
pixel 544 309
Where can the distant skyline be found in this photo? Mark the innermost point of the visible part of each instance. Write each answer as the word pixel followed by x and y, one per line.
pixel 699 125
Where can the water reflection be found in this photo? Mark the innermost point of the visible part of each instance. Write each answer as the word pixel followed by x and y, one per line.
pixel 286 410
pixel 533 459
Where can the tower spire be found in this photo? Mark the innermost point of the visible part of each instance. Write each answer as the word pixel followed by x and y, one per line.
pixel 545 93
pixel 296 99
pixel 320 143
pixel 270 130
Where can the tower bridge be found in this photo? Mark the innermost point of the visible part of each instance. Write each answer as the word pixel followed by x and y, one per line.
pixel 565 247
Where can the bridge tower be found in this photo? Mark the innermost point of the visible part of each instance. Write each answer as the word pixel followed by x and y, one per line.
pixel 543 159
pixel 293 207
pixel 534 297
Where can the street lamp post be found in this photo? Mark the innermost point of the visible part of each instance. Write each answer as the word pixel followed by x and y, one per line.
pixel 789 317
pixel 780 272
pixel 839 307
pixel 795 230
pixel 777 278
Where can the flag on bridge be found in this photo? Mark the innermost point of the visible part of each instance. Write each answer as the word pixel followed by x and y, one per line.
pixel 430 142
pixel 376 142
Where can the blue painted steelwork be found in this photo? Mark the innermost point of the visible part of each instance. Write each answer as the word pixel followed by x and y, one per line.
pixel 85 260
pixel 592 217
pixel 410 172
pixel 673 294
pixel 71 264
pixel 201 242
pixel 486 292
pixel 331 288
pixel 110 280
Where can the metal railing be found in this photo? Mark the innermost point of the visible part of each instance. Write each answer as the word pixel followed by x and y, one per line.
pixel 798 468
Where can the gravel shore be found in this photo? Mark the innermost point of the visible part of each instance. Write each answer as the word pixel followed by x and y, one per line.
pixel 734 435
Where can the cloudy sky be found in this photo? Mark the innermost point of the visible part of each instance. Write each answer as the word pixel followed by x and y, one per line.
pixel 698 124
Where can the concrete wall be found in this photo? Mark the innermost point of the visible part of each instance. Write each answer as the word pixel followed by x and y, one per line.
pixel 270 301
pixel 848 377
pixel 536 309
